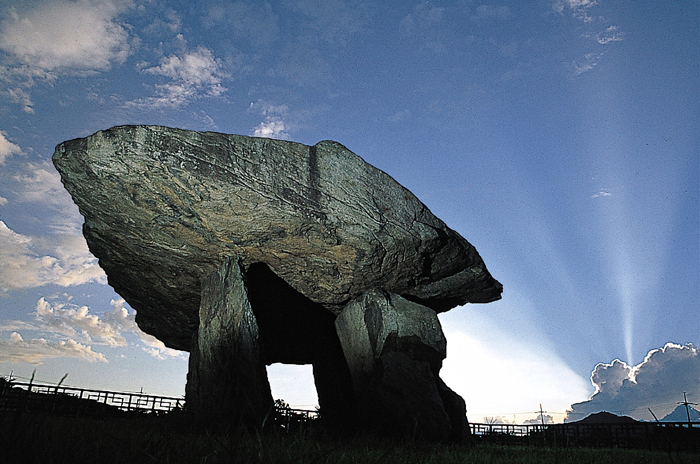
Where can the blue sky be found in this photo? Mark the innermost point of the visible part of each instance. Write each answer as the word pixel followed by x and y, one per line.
pixel 560 137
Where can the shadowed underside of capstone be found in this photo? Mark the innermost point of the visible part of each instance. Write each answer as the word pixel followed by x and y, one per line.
pixel 310 229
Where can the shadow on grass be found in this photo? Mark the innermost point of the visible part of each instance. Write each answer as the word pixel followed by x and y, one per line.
pixel 35 438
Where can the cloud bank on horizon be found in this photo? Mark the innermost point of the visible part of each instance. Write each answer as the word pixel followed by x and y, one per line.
pixel 655 385
pixel 463 82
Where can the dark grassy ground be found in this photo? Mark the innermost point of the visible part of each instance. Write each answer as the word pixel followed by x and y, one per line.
pixel 31 438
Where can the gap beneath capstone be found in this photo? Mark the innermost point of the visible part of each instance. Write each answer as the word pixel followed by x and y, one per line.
pixel 295 330
pixel 294 384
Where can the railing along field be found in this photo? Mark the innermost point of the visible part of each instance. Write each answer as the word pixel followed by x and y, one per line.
pixel 39 397
pixel 72 400
pixel 659 435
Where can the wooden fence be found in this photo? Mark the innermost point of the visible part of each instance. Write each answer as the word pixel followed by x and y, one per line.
pixel 41 397
pixel 35 396
pixel 55 398
pixel 650 435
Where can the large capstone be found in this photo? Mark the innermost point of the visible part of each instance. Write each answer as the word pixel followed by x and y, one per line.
pixel 311 228
pixel 164 207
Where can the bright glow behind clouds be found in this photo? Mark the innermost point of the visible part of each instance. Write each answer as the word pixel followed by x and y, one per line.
pixel 502 365
pixel 557 137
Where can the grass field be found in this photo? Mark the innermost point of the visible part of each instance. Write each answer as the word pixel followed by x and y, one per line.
pixel 29 438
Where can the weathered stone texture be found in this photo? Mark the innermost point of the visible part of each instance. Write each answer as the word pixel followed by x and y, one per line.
pixel 394 349
pixel 227 380
pixel 251 251
pixel 164 207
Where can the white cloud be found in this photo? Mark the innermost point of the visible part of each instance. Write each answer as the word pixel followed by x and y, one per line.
pixel 274 126
pixel 72 320
pixel 16 350
pixel 581 10
pixel 192 74
pixel 602 193
pixel 119 316
pixel 7 149
pixel 578 8
pixel 169 20
pixel 60 258
pixel 546 418
pixel 53 38
pixel 610 34
pixel 589 61
pixel 19 95
pixel 70 35
pixel 41 185
pixel 67 263
pixel 657 383
pixel 67 322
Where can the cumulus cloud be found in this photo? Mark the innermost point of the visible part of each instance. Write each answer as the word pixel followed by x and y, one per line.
pixel 119 316
pixel 40 184
pixel 7 149
pixel 16 349
pixel 61 37
pixel 72 320
pixel 192 75
pixel 657 383
pixel 81 35
pixel 73 330
pixel 67 261
pixel 274 126
pixel 61 257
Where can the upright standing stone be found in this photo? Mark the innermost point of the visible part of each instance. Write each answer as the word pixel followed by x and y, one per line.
pixel 227 381
pixel 394 349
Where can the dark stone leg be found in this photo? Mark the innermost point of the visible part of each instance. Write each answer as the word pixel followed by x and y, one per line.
pixel 394 349
pixel 227 381
pixel 456 409
pixel 336 396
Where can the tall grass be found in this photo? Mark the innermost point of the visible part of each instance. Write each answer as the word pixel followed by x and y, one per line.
pixel 144 439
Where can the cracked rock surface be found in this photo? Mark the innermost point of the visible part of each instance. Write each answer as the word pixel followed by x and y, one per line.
pixel 165 207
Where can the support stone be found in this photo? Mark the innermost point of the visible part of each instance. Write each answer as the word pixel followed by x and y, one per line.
pixel 227 380
pixel 394 349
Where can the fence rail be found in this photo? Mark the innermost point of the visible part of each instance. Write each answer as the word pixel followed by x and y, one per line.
pixel 56 398
pixel 660 435
pixel 36 396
